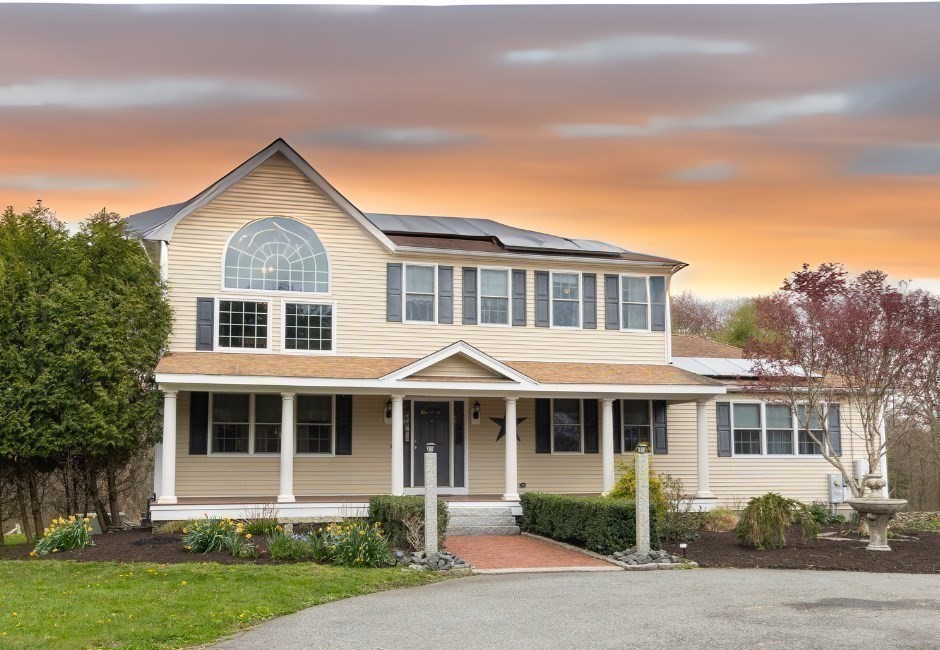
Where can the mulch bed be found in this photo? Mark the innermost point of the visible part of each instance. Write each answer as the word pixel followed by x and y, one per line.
pixel 134 545
pixel 723 550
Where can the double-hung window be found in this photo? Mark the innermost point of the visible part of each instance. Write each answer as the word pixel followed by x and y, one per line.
pixel 243 324
pixel 420 290
pixel 314 424
pixel 567 425
pixel 308 327
pixel 634 302
pixel 267 423
pixel 805 444
pixel 636 423
pixel 494 296
pixel 231 423
pixel 779 429
pixel 566 299
pixel 746 429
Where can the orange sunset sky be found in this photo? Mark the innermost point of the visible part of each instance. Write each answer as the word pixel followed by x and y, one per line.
pixel 742 140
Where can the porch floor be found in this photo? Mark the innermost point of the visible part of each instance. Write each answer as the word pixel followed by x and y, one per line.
pixel 342 498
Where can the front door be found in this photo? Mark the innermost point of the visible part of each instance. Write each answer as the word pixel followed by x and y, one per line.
pixel 432 424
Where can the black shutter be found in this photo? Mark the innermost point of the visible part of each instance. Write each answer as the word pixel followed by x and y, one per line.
pixel 612 302
pixel 543 426
pixel 542 290
pixel 470 295
pixel 518 298
pixel 658 303
pixel 590 425
pixel 724 428
pixel 660 442
pixel 589 301
pixel 445 294
pixel 458 443
pixel 618 427
pixel 198 424
pixel 393 289
pixel 344 422
pixel 835 430
pixel 205 316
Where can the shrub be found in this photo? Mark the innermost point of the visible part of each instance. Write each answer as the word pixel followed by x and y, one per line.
pixel 293 548
pixel 625 487
pixel 678 521
pixel 597 523
pixel 172 527
pixel 213 535
pixel 765 519
pixel 400 516
pixel 720 520
pixel 64 535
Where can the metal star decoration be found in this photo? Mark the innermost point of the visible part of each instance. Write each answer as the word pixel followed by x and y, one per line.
pixel 502 427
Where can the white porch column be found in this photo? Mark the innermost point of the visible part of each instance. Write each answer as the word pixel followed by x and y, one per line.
pixel 704 489
pixel 168 461
pixel 398 446
pixel 607 443
pixel 512 480
pixel 287 449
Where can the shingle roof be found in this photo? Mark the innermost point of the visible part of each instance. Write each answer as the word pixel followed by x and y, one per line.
pixel 684 345
pixel 337 367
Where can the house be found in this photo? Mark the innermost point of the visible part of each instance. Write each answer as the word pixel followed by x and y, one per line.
pixel 532 362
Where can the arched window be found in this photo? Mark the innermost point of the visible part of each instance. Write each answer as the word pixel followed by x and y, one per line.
pixel 277 254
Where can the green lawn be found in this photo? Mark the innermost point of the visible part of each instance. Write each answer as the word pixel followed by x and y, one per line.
pixel 13 540
pixel 90 604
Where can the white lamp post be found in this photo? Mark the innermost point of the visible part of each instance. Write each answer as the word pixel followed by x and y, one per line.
pixel 430 500
pixel 642 461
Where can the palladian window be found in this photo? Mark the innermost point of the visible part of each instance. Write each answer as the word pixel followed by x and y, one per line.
pixel 277 254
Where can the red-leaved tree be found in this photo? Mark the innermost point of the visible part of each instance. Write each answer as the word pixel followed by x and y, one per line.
pixel 859 342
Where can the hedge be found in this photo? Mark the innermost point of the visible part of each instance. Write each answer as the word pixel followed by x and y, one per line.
pixel 596 523
pixel 391 512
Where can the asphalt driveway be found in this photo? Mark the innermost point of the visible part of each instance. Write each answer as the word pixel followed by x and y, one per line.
pixel 656 609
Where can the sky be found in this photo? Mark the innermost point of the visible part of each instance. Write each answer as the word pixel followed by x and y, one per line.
pixel 742 140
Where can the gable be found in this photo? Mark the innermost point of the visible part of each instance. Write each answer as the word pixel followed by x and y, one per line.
pixel 458 366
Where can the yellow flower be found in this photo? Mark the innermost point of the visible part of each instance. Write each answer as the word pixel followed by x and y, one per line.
pixel 55 550
pixel 89 529
pixel 85 520
pixel 183 583
pixel 15 614
pixel 248 536
pixel 184 530
pixel 71 519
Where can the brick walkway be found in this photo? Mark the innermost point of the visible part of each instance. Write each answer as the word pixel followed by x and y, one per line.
pixel 520 552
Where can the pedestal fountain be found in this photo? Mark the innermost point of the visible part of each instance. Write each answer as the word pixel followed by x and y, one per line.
pixel 876 510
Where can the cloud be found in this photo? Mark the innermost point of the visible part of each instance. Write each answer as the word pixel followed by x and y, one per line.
pixel 626 48
pixel 735 116
pixel 707 173
pixel 96 94
pixel 899 160
pixel 63 182
pixel 391 138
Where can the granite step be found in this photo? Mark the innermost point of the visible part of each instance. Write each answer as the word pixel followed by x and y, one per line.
pixel 496 520
pixel 456 531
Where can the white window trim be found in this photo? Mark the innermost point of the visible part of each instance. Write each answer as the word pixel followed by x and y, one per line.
pixel 621 302
pixel 508 296
pixel 580 452
pixel 216 324
pixel 283 328
pixel 623 447
pixel 404 294
pixel 316 454
pixel 309 294
pixel 763 432
pixel 551 301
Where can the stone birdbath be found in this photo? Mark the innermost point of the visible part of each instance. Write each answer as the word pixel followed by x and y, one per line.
pixel 877 511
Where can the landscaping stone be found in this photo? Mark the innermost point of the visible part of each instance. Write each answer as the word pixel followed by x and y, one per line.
pixel 650 560
pixel 420 561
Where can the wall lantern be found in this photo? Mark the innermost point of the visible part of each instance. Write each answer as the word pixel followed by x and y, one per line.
pixel 475 413
pixel 642 447
pixel 388 412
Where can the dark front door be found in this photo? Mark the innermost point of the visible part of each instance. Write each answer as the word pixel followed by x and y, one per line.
pixel 432 424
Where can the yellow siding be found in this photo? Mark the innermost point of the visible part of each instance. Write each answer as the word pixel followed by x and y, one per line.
pixel 368 469
pixel 358 275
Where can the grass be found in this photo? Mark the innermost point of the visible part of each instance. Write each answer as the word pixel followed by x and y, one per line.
pixel 63 604
pixel 14 540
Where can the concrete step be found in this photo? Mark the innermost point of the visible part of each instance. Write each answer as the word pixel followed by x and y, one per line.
pixel 481 521
pixel 456 531
pixel 480 512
